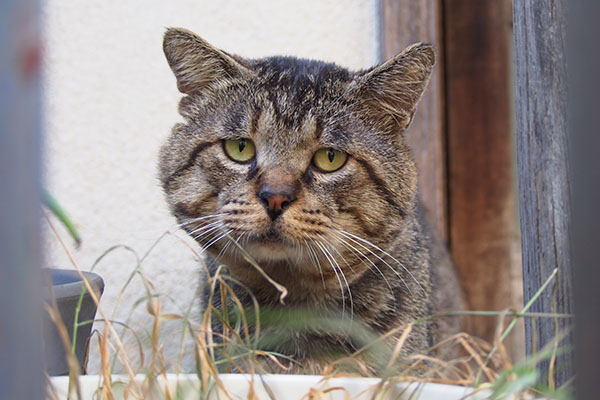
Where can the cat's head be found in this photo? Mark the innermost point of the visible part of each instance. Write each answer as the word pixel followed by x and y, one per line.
pixel 290 155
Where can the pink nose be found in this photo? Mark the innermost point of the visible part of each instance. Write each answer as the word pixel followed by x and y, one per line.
pixel 275 203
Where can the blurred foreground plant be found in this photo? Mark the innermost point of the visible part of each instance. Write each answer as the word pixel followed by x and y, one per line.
pixel 248 336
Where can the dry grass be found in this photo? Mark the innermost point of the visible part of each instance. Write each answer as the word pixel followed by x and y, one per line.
pixel 483 366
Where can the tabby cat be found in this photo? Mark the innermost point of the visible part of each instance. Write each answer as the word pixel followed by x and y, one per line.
pixel 303 163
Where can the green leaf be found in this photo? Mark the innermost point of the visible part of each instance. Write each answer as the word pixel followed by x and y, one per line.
pixel 514 381
pixel 62 216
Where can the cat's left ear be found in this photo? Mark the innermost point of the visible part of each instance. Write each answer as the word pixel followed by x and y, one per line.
pixel 197 65
pixel 389 93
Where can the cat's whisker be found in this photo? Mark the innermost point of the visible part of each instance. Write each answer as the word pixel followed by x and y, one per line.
pixel 219 230
pixel 332 263
pixel 343 277
pixel 180 225
pixel 315 261
pixel 336 275
pixel 211 237
pixel 343 258
pixel 299 248
pixel 200 228
pixel 387 254
pixel 365 258
pixel 191 221
pixel 347 286
pixel 245 239
pixel 224 249
pixel 318 246
pixel 239 237
pixel 239 240
pixel 380 259
pixel 206 232
pixel 204 248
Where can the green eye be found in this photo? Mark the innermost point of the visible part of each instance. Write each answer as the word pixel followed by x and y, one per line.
pixel 240 150
pixel 329 160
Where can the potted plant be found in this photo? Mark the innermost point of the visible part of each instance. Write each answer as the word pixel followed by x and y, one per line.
pixel 67 324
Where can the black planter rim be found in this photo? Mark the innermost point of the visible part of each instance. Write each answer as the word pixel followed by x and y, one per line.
pixel 72 285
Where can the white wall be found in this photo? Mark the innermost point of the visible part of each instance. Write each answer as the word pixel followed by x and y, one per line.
pixel 110 101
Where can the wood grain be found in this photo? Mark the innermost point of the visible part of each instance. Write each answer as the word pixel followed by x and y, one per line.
pixel 484 233
pixel 540 71
pixel 404 22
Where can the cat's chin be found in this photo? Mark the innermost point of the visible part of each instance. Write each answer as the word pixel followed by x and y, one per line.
pixel 271 247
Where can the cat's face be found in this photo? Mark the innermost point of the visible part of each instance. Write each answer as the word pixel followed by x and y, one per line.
pixel 297 160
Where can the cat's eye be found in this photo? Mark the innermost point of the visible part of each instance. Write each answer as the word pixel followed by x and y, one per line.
pixel 329 160
pixel 240 150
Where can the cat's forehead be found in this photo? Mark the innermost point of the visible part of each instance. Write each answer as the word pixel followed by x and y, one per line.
pixel 282 135
pixel 288 72
pixel 298 86
pixel 294 96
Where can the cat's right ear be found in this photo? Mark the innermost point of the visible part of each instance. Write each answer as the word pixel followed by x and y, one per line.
pixel 197 65
pixel 389 93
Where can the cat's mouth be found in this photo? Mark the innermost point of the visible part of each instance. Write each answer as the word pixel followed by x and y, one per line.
pixel 271 235
pixel 271 246
pixel 271 238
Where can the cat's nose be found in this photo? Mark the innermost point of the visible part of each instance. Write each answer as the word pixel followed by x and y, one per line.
pixel 276 201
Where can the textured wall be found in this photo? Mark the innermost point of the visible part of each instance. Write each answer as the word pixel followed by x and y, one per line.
pixel 110 101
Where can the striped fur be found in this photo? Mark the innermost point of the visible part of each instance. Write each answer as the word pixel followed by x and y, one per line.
pixel 353 240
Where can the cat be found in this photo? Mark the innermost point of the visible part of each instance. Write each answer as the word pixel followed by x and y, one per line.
pixel 304 163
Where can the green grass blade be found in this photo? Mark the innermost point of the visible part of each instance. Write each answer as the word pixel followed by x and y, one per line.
pixel 62 216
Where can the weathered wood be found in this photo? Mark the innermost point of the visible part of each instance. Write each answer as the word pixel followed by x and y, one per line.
pixel 404 22
pixel 484 237
pixel 584 142
pixel 539 33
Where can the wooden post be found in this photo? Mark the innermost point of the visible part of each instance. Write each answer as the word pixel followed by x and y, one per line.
pixel 468 189
pixel 21 367
pixel 404 22
pixel 484 233
pixel 584 143
pixel 540 68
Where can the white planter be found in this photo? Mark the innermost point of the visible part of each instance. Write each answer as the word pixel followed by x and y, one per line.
pixel 281 386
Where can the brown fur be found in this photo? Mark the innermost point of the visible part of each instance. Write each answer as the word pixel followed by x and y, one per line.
pixel 290 108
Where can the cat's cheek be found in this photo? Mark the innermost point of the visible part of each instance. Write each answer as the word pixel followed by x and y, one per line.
pixel 241 209
pixel 186 210
pixel 303 223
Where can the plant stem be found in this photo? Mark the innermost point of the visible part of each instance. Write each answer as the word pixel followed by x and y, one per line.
pixel 62 216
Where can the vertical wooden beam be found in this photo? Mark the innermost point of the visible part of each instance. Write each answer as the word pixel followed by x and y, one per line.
pixel 21 372
pixel 584 142
pixel 540 68
pixel 482 212
pixel 404 22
